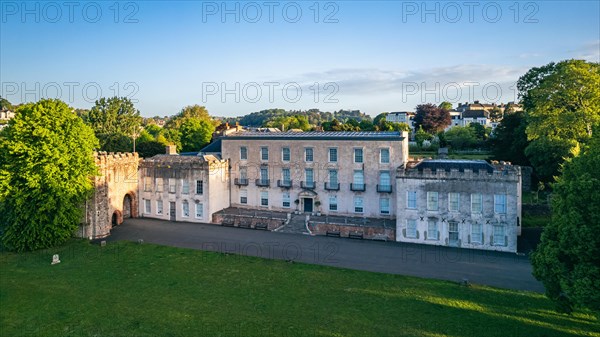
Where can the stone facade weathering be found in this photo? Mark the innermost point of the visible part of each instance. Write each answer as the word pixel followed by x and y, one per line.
pixel 461 203
pixel 115 194
pixel 355 184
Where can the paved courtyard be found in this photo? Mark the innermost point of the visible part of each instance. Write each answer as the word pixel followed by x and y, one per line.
pixel 503 270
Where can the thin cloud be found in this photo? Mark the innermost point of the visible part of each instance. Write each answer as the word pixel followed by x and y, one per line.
pixel 589 52
pixel 369 81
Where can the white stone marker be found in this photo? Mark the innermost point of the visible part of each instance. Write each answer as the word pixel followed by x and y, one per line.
pixel 55 259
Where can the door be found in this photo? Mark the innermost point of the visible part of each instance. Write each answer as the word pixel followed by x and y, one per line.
pixel 308 205
pixel 453 233
pixel 172 211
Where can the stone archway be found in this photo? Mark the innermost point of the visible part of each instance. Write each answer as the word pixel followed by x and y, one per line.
pixel 127 207
pixel 116 219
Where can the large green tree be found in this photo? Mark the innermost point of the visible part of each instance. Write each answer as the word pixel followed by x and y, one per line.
pixel 461 137
pixel 196 120
pixel 46 163
pixel 114 118
pixel 567 260
pixel 562 102
pixel 195 134
pixel 509 140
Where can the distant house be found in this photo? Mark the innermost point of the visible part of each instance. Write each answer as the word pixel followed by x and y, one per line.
pixel 6 115
pixel 402 117
pixel 476 116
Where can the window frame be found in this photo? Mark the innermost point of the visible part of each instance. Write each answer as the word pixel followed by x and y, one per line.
pixel 450 202
pixel 389 178
pixel 430 195
pixel 264 153
pixel 147 206
pixel 329 157
pixel 389 208
pixel 333 198
pixel 185 204
pixel 437 229
pixel 185 186
pixel 262 198
pixel 243 153
pixel 480 211
pixel 199 206
pixel 478 234
pixel 286 198
pixel 494 234
pixel 503 204
pixel 361 206
pixel 199 183
pixel 244 194
pixel 389 154
pixel 283 154
pixel 409 199
pixel 308 150
pixel 409 230
pixel 362 155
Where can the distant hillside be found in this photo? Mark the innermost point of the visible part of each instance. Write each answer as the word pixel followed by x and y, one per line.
pixel 315 116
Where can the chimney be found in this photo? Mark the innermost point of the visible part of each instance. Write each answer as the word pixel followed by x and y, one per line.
pixel 171 149
pixel 237 126
pixel 226 126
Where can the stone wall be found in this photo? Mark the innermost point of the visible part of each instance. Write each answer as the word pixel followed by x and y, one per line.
pixel 368 232
pixel 115 195
pixel 247 221
pixel 526 172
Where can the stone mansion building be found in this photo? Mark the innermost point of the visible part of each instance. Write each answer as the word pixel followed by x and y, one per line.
pixel 356 175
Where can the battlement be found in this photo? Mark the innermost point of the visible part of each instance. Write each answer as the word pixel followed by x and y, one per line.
pixel 104 157
pixel 460 169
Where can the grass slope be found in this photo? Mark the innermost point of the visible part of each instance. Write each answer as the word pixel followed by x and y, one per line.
pixel 127 289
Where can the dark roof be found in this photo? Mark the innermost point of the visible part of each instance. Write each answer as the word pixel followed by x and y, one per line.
pixel 214 147
pixel 450 164
pixel 475 114
pixel 316 135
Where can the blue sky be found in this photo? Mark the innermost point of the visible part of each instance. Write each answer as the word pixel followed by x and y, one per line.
pixel 374 56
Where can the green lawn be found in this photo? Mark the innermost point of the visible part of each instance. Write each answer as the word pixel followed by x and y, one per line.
pixel 536 220
pixel 127 289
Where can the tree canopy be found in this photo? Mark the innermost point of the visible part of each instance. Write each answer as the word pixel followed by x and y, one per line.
pixel 195 134
pixel 290 122
pixel 562 102
pixel 190 129
pixel 5 104
pixel 509 140
pixel 113 119
pixel 45 163
pixel 567 260
pixel 432 118
pixel 445 106
pixel 460 137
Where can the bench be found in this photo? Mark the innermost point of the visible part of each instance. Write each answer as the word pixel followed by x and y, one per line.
pixel 333 233
pixel 261 226
pixel 355 236
pixel 228 222
pixel 245 223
